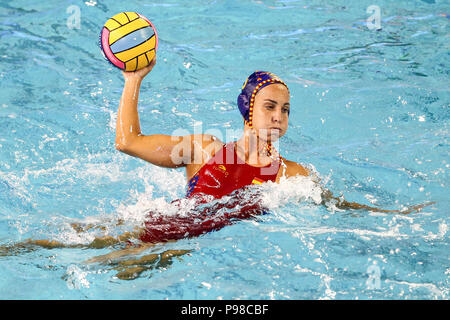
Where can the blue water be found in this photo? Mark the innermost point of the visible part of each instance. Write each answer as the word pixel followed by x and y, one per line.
pixel 370 113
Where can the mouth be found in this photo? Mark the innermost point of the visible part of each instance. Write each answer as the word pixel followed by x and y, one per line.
pixel 276 129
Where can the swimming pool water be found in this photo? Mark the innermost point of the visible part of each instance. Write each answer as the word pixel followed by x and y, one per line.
pixel 370 112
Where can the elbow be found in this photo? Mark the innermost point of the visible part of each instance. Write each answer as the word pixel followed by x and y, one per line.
pixel 122 146
pixel 124 143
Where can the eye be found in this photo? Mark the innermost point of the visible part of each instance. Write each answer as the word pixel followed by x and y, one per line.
pixel 270 106
pixel 286 110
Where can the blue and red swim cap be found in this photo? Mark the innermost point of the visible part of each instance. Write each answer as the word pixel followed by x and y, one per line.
pixel 255 82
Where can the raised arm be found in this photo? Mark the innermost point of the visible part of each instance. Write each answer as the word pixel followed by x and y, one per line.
pixel 161 150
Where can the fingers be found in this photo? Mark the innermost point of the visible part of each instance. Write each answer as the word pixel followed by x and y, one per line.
pixel 131 273
pixel 153 62
pixel 141 73
pixel 417 208
pixel 421 206
pixel 144 71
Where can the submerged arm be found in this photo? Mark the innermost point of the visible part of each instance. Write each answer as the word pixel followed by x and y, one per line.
pixel 341 203
pixel 294 169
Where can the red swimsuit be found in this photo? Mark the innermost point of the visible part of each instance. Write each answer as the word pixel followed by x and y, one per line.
pixel 225 172
pixel 220 176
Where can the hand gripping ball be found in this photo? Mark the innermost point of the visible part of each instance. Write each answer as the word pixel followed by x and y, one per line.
pixel 129 41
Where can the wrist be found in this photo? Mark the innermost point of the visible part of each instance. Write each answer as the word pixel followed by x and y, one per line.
pixel 133 80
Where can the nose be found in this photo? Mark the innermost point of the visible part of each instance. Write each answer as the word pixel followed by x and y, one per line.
pixel 276 115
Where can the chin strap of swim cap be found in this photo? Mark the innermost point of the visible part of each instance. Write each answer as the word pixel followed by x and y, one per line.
pixel 256 81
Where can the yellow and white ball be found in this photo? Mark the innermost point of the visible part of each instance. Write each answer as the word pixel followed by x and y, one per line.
pixel 129 41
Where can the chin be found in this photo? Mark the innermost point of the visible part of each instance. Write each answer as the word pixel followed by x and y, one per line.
pixel 273 138
pixel 265 135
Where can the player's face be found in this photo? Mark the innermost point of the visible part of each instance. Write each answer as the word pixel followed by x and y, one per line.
pixel 271 112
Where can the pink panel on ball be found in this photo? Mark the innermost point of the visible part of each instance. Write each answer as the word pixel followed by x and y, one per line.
pixel 108 52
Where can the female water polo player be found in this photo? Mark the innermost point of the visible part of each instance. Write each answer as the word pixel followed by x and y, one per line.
pixel 214 169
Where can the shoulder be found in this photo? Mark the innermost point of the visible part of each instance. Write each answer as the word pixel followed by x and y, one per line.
pixel 294 169
pixel 210 141
pixel 204 145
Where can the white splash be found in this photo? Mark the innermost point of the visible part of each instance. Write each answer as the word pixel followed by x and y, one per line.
pixel 291 190
pixel 76 278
